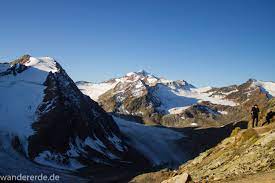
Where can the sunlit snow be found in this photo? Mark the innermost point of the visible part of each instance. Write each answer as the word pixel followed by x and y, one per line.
pixel 21 94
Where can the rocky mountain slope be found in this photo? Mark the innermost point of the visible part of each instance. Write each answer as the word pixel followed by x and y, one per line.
pixel 45 118
pixel 177 103
pixel 55 123
pixel 245 155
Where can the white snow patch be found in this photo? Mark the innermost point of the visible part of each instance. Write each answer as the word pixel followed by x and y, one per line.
pixel 152 80
pixel 268 87
pixel 159 145
pixel 177 110
pixel 95 90
pixel 203 89
pixel 138 89
pixel 175 101
pixel 171 99
pixel 139 85
pixel 54 160
pixel 20 96
pixel 203 96
pixel 43 63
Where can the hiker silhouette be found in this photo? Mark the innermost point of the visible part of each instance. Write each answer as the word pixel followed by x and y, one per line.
pixel 255 115
pixel 268 117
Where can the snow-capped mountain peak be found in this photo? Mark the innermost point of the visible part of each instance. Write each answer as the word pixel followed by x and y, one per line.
pixel 141 75
pixel 134 80
pixel 266 86
pixel 152 80
pixel 42 106
pixel 46 64
pixel 26 76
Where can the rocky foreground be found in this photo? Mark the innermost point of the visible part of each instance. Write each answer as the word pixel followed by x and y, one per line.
pixel 246 156
pixel 245 152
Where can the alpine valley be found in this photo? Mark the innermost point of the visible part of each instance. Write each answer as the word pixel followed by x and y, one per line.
pixel 136 128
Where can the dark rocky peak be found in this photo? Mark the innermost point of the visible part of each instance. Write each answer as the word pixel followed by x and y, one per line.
pixel 67 125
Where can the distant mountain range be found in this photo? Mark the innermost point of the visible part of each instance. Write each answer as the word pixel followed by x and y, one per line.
pixel 176 103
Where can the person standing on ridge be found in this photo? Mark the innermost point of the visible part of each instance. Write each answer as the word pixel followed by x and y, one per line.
pixel 255 115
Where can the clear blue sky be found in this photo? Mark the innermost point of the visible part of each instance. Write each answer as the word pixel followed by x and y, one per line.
pixel 213 42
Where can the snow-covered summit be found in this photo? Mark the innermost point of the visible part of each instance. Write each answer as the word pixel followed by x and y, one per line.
pixel 266 86
pixel 131 81
pixel 46 64
pixel 141 75
pixel 22 91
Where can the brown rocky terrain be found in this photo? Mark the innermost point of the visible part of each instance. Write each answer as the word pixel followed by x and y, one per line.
pixel 247 155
